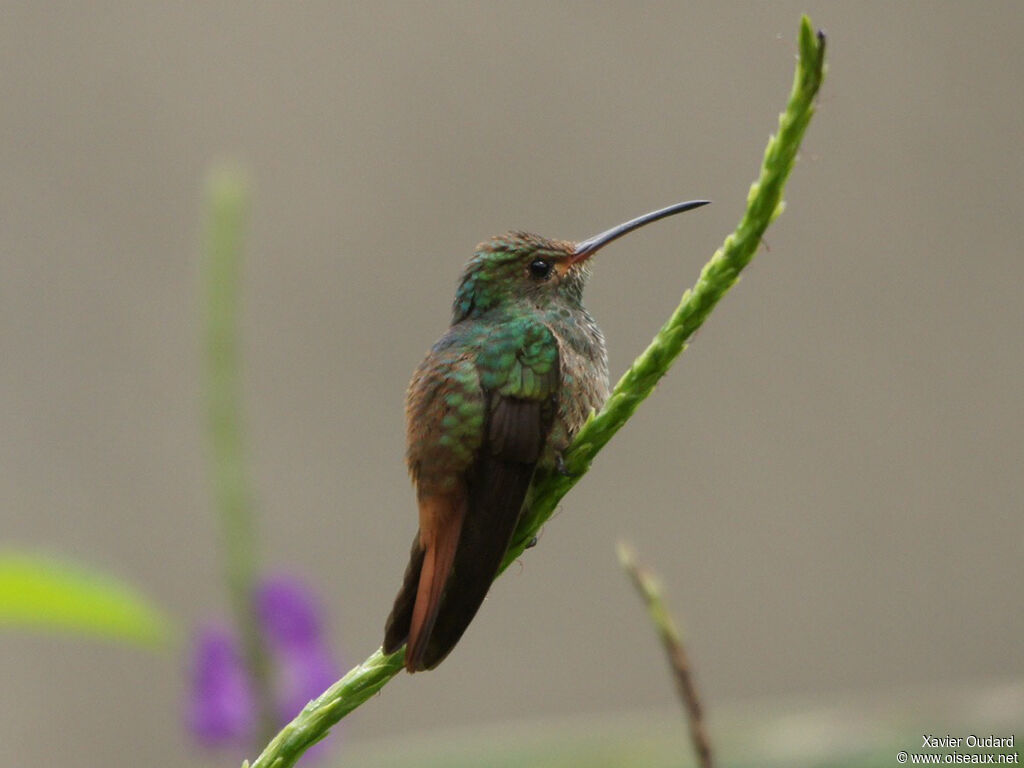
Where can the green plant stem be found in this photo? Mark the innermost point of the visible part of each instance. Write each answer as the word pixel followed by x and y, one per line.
pixel 764 203
pixel 649 589
pixel 227 206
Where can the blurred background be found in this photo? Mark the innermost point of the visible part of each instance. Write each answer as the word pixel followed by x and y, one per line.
pixel 829 482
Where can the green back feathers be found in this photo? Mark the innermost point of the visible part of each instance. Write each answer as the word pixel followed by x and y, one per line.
pixel 520 359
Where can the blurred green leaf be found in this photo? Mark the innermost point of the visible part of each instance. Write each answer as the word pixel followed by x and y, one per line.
pixel 37 591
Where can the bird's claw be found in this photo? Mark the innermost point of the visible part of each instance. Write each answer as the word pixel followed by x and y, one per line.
pixel 531 543
pixel 560 467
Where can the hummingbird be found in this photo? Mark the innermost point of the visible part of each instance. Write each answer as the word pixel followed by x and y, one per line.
pixel 497 399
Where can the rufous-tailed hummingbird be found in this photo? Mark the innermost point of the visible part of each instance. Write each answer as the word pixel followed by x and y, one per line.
pixel 500 395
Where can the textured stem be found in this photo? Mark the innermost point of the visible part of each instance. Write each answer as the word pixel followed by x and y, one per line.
pixel 316 719
pixel 649 589
pixel 764 203
pixel 227 206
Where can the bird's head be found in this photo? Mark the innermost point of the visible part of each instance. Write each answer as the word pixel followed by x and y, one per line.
pixel 523 268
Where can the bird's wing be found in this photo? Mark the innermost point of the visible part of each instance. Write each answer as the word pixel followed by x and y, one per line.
pixel 517 367
pixel 445 421
pixel 519 376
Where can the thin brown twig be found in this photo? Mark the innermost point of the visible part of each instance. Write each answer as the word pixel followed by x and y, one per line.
pixel 648 587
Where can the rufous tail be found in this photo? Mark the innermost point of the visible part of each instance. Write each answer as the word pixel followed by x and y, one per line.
pixel 441 520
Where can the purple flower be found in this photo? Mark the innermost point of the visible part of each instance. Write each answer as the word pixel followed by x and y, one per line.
pixel 222 707
pixel 289 614
pixel 292 626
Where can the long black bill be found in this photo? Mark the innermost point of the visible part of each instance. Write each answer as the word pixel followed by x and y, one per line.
pixel 592 245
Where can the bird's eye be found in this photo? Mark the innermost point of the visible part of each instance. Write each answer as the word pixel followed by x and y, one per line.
pixel 540 269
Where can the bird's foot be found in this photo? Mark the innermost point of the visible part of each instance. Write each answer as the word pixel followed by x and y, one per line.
pixel 531 543
pixel 560 467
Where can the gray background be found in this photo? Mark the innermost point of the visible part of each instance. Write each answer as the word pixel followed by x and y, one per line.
pixel 829 482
